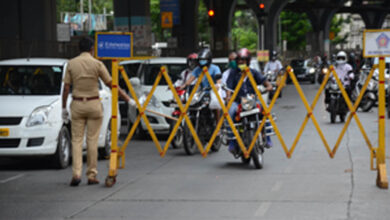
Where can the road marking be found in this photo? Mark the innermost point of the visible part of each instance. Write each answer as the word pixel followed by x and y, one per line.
pixel 277 186
pixel 263 208
pixel 11 178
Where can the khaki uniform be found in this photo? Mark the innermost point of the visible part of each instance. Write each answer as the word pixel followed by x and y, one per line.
pixel 83 72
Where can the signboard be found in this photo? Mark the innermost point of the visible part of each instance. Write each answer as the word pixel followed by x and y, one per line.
pixel 171 6
pixel 376 43
pixel 263 55
pixel 63 32
pixel 166 19
pixel 113 45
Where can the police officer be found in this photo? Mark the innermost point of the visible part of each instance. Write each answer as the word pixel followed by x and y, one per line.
pixel 83 72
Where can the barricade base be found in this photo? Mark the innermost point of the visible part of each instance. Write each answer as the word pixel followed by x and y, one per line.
pixel 381 180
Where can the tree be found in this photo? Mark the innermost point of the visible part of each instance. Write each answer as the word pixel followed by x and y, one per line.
pixel 294 29
pixel 244 30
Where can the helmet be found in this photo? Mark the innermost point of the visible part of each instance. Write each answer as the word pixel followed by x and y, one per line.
pixel 274 54
pixel 204 57
pixel 244 54
pixel 341 57
pixel 192 60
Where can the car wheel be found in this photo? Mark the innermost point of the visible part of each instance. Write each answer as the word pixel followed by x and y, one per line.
pixel 105 151
pixel 61 157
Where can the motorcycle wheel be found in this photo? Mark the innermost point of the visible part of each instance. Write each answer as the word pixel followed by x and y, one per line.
pixel 256 153
pixel 217 144
pixel 189 142
pixel 366 104
pixel 332 109
pixel 178 139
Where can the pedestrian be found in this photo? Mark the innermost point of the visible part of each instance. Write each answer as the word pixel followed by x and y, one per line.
pixel 83 73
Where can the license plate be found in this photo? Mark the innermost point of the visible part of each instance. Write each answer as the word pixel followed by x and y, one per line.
pixel 4 132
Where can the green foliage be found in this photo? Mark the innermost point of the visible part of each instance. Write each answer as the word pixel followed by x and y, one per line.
pixel 155 19
pixel 295 26
pixel 244 30
pixel 203 24
pixel 336 26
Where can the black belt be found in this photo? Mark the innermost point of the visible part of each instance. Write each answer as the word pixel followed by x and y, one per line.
pixel 85 98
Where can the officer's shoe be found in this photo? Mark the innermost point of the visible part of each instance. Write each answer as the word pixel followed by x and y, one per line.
pixel 93 181
pixel 75 181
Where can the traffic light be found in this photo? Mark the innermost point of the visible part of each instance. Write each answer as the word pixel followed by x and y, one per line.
pixel 211 15
pixel 262 9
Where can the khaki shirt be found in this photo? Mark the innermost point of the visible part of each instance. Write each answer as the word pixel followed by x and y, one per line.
pixel 83 72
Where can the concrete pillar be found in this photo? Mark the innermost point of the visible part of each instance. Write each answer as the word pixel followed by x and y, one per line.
pixel 28 29
pixel 134 16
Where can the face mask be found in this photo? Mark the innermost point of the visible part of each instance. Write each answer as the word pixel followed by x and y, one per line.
pixel 233 64
pixel 242 66
pixel 202 62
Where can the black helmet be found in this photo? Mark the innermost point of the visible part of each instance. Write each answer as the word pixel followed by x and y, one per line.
pixel 244 54
pixel 274 54
pixel 204 57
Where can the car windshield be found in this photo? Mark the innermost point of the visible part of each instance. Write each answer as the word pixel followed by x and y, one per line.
pixel 152 71
pixel 297 63
pixel 30 80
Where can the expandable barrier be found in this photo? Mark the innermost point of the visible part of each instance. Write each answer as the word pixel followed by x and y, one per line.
pixel 118 153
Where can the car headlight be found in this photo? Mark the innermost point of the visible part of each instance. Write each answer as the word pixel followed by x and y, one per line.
pixel 39 116
pixel 311 70
pixel 153 101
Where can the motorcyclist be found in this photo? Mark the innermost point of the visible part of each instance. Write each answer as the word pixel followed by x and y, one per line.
pixel 204 59
pixel 232 64
pixel 192 63
pixel 344 72
pixel 274 65
pixel 243 61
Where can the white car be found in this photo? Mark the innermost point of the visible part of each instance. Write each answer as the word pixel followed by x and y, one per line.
pixel 30 113
pixel 162 96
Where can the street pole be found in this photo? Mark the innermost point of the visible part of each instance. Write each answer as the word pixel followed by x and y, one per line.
pixel 82 14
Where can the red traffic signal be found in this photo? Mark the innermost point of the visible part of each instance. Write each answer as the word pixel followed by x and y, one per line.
pixel 261 6
pixel 211 13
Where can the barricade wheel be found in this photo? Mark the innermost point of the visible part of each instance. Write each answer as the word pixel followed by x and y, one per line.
pixel 110 181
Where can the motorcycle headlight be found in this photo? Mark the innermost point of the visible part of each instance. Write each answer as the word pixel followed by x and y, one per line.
pixel 334 86
pixel 39 116
pixel 195 99
pixel 311 70
pixel 325 70
pixel 247 104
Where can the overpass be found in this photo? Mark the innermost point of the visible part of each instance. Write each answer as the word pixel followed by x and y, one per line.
pixel 29 27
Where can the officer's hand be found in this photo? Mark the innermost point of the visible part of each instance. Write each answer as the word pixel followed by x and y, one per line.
pixel 65 115
pixel 132 102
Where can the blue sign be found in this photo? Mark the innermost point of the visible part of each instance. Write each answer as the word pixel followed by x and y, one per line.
pixel 171 6
pixel 114 45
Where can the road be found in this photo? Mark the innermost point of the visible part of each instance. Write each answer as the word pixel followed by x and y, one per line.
pixel 310 185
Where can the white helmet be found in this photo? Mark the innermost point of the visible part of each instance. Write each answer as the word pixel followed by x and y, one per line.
pixel 341 57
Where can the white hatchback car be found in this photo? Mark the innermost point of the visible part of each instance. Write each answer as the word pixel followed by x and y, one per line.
pixel 162 96
pixel 30 113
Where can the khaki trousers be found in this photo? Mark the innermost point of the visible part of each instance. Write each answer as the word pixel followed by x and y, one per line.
pixel 87 114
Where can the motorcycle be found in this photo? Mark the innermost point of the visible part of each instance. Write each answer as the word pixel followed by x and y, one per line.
pixel 337 105
pixel 249 116
pixel 275 79
pixel 178 140
pixel 369 98
pixel 203 120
